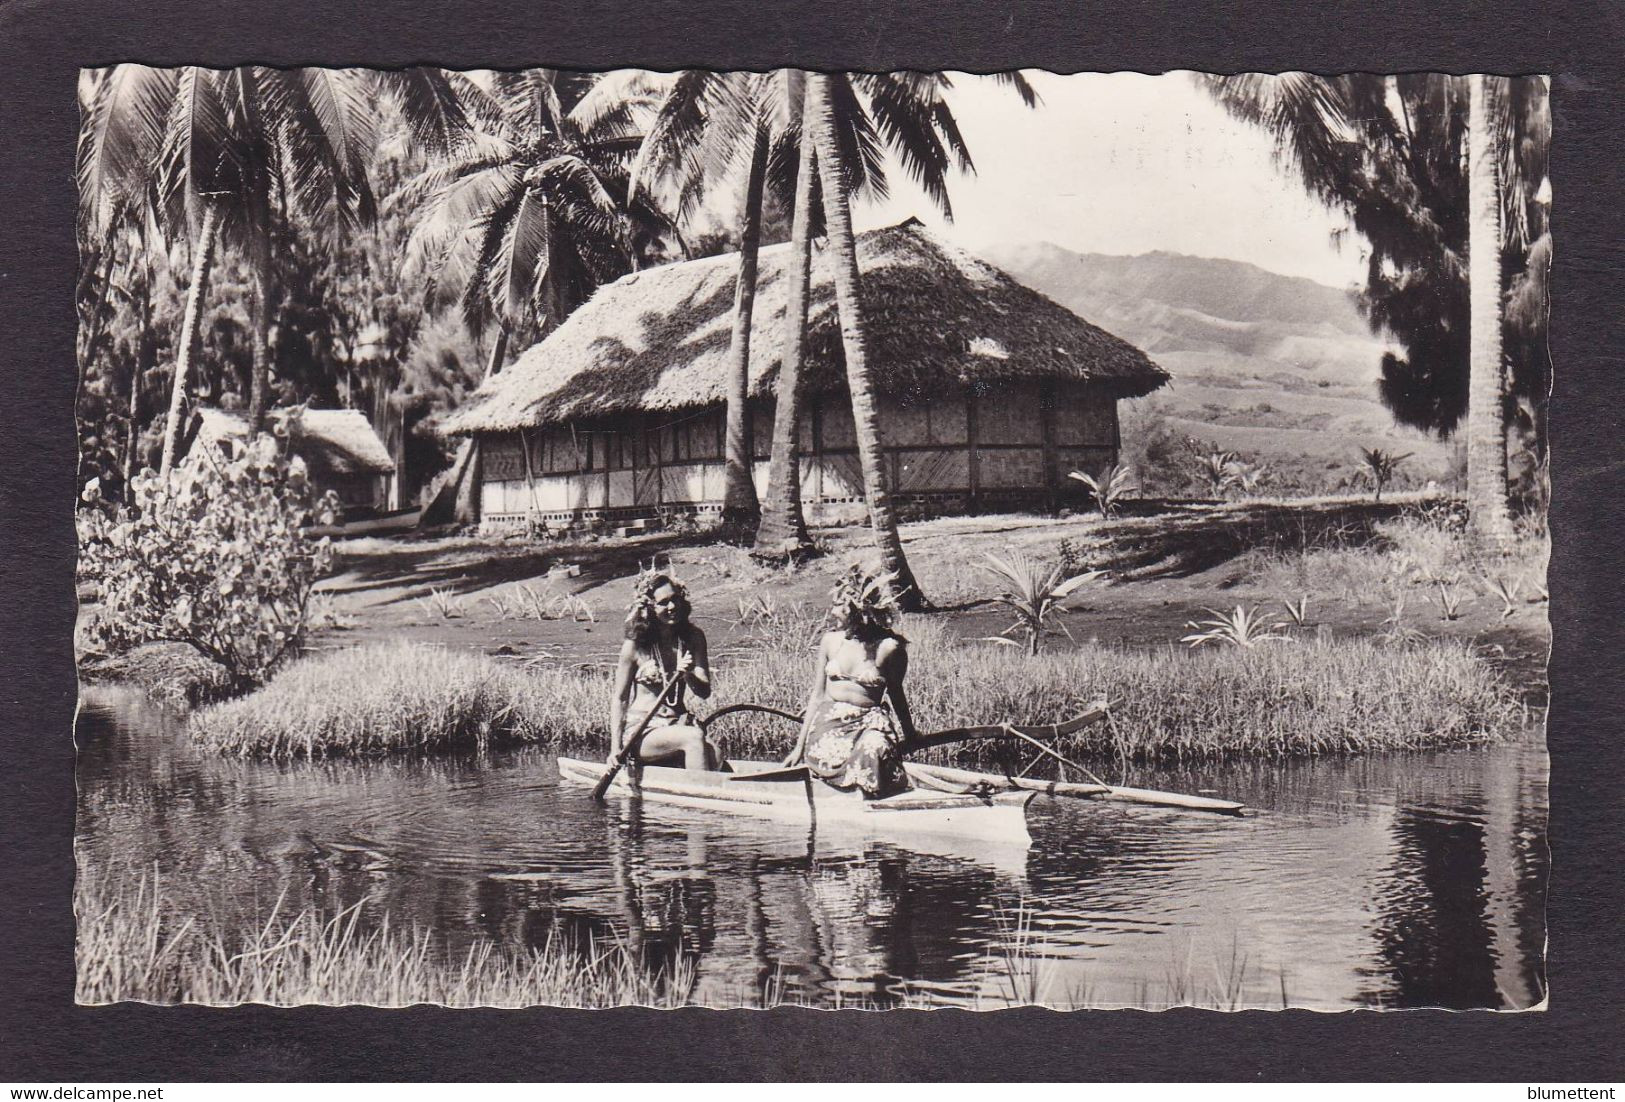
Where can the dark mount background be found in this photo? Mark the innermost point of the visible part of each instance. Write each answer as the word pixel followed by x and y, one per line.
pixel 44 1038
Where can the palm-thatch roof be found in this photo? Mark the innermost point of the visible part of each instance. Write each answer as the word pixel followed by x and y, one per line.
pixel 658 339
pixel 330 441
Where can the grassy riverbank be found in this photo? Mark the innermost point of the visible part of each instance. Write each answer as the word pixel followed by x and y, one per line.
pixel 1309 695
pixel 133 946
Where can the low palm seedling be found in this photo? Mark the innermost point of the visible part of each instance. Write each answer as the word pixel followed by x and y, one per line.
pixel 1449 601
pixel 1298 610
pixel 1218 470
pixel 1241 628
pixel 1034 593
pixel 1249 478
pixel 1508 589
pixel 1110 488
pixel 1380 467
pixel 1394 631
pixel 441 604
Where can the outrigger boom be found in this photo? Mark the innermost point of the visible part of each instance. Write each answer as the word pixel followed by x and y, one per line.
pixel 954 781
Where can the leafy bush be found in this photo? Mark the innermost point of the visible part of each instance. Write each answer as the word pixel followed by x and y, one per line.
pixel 212 555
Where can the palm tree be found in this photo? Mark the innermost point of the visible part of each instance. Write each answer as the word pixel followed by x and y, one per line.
pixel 865 414
pixel 232 151
pixel 705 128
pixel 705 120
pixel 523 223
pixel 1486 394
pixel 782 531
pixel 1390 152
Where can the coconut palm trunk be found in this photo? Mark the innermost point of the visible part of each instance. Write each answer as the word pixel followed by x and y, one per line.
pixel 1486 387
pixel 739 503
pixel 191 329
pixel 259 381
pixel 865 412
pixel 783 531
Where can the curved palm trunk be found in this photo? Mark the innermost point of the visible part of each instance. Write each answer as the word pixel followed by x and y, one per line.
pixel 865 414
pixel 259 382
pixel 783 531
pixel 1486 432
pixel 138 371
pixel 191 326
pixel 738 488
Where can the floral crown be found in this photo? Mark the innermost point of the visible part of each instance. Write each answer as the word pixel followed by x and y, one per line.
pixel 865 596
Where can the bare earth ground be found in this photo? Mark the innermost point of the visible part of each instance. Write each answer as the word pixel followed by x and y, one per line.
pixel 1163 570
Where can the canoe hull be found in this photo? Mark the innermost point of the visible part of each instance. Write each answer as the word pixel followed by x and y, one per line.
pixel 792 798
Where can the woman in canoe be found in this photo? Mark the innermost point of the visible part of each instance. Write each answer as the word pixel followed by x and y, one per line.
pixel 850 738
pixel 661 645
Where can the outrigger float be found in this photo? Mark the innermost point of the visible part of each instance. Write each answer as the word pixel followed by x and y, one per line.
pixel 943 801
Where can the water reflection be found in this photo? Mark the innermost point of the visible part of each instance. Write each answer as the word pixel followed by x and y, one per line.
pixel 1400 881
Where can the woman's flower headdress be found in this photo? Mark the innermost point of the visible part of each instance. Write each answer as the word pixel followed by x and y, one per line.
pixel 859 596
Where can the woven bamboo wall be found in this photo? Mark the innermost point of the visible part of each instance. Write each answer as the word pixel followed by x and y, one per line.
pixel 967 448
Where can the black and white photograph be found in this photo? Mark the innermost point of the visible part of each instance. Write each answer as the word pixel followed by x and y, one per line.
pixel 847 540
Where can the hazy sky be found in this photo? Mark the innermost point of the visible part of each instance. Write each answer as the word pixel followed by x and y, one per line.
pixel 1125 163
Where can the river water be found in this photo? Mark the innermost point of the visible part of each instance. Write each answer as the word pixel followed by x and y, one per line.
pixel 1394 881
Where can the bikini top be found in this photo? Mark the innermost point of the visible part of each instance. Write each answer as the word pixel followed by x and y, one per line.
pixel 876 682
pixel 651 674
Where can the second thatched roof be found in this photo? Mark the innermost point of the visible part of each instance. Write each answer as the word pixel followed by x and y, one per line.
pixel 658 339
pixel 330 441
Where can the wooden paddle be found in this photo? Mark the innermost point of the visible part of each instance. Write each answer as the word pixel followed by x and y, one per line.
pixel 629 749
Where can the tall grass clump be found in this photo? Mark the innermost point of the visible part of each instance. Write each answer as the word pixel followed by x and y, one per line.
pixel 1293 698
pixel 131 946
pixel 391 697
pixel 1285 700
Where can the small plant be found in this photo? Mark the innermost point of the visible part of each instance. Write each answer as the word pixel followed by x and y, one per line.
pixel 1298 610
pixel 1218 470
pixel 1449 601
pixel 1241 628
pixel 1394 631
pixel 1109 488
pixel 1508 589
pixel 323 613
pixel 1250 478
pixel 1069 553
pixel 1035 594
pixel 441 604
pixel 1380 468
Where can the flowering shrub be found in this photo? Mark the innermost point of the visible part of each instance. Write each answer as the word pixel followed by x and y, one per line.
pixel 213 555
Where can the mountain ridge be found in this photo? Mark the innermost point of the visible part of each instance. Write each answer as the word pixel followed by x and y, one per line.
pixel 1281 366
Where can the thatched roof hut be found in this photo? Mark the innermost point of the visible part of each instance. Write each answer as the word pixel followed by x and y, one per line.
pixel 658 339
pixel 989 391
pixel 340 449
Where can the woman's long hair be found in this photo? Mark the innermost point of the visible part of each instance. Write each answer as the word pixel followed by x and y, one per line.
pixel 862 605
pixel 641 626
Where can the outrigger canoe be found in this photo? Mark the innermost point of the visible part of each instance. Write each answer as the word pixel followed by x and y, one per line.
pixel 766 790
pixel 942 801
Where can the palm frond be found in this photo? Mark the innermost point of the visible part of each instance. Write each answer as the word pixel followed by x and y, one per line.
pixel 121 135
pixel 200 156
pixel 432 103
